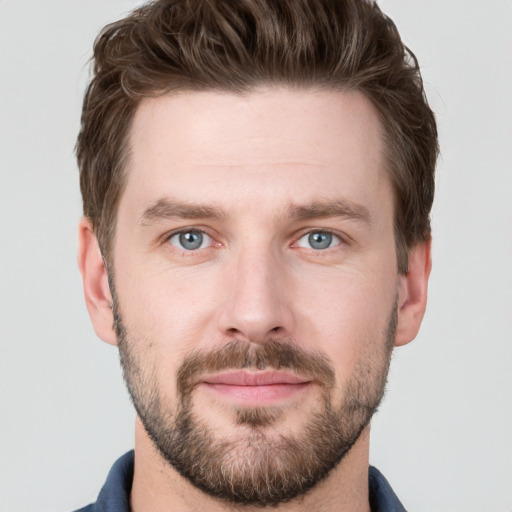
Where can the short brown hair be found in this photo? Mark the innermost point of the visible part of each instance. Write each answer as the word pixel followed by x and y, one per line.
pixel 236 46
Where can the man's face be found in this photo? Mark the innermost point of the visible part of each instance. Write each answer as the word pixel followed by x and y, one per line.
pixel 255 284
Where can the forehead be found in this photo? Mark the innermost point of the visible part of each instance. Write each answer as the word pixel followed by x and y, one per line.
pixel 278 144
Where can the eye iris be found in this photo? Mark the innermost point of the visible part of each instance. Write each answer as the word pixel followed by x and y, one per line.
pixel 191 240
pixel 320 240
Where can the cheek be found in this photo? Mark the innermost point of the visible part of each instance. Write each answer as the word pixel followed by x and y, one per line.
pixel 163 326
pixel 165 307
pixel 346 316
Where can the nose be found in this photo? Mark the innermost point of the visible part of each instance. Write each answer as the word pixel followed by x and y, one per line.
pixel 256 306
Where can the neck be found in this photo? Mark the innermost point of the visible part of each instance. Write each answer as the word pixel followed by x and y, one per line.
pixel 158 487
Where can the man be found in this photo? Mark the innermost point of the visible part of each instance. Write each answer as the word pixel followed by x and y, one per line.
pixel 257 178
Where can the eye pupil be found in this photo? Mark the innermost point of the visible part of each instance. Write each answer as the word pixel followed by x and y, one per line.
pixel 191 240
pixel 320 240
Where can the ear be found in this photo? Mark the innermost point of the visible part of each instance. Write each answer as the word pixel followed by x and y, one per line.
pixel 412 295
pixel 95 280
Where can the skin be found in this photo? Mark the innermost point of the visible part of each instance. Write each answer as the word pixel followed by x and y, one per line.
pixel 257 160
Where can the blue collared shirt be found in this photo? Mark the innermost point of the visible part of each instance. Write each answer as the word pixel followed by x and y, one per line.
pixel 115 494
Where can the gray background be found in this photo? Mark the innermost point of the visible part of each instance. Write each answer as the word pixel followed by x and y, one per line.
pixel 443 435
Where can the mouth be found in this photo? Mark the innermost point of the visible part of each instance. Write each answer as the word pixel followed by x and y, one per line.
pixel 255 388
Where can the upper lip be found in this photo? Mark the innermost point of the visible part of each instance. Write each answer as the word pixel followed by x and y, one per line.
pixel 254 378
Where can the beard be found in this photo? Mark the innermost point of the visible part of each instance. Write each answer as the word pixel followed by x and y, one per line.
pixel 247 465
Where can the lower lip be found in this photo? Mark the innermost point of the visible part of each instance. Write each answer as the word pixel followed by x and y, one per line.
pixel 257 395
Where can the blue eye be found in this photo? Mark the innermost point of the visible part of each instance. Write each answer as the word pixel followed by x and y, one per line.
pixel 190 240
pixel 318 240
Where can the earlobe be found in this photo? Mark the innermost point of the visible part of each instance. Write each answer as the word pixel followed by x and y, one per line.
pixel 95 281
pixel 412 297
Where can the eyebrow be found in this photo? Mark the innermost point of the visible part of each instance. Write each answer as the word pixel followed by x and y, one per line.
pixel 325 209
pixel 165 209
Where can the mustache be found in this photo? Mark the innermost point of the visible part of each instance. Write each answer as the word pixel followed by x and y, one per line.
pixel 238 355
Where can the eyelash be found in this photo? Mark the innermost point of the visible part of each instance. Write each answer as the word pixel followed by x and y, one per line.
pixel 167 239
pixel 335 235
pixel 342 239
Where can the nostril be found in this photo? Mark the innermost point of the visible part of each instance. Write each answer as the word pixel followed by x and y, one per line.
pixel 238 334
